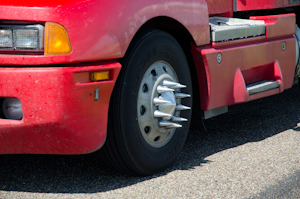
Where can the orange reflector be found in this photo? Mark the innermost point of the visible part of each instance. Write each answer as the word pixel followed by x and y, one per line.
pixel 98 76
pixel 56 40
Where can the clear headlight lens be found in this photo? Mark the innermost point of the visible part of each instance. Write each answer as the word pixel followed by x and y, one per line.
pixel 19 37
pixel 26 39
pixel 6 39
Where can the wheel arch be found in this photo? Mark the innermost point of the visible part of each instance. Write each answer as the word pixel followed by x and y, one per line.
pixel 185 39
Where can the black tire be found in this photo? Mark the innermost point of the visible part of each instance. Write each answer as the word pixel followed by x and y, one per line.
pixel 126 148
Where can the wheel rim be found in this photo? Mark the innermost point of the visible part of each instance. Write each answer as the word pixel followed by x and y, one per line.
pixel 159 104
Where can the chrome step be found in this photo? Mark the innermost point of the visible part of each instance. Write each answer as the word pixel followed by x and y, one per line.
pixel 261 86
pixel 223 28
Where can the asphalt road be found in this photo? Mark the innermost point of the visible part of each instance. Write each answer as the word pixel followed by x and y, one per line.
pixel 251 152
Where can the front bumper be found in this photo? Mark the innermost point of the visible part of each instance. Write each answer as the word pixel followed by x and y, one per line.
pixel 60 113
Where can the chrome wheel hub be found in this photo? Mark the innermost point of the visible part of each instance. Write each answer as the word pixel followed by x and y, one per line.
pixel 159 104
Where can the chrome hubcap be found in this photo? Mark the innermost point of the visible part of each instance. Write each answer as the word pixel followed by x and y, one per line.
pixel 159 104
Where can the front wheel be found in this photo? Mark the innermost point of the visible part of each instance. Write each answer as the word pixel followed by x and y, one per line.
pixel 150 112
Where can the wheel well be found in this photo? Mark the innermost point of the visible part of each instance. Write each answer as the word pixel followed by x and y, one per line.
pixel 173 27
pixel 184 38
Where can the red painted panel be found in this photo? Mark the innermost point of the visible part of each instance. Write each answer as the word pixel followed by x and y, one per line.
pixel 243 5
pixel 220 6
pixel 60 114
pixel 102 30
pixel 224 84
pixel 278 25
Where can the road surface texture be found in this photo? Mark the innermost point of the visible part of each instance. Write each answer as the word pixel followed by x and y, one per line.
pixel 253 151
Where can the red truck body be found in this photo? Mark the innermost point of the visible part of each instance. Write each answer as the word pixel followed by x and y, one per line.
pixel 60 113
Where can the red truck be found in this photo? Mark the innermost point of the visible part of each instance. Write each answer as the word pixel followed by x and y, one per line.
pixel 122 78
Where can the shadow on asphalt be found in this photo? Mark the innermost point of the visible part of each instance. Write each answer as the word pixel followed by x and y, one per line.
pixel 250 122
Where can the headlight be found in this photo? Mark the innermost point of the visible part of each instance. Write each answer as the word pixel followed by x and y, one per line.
pixel 6 39
pixel 22 37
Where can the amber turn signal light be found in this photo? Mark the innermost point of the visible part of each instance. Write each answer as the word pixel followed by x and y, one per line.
pixel 99 76
pixel 57 40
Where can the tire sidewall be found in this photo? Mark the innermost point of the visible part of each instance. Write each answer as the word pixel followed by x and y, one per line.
pixel 156 46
